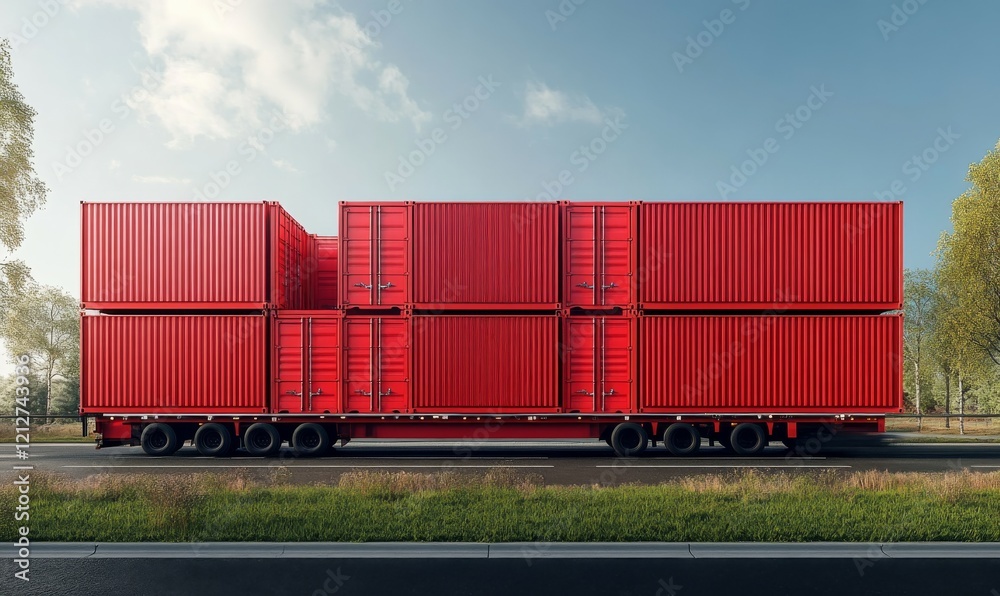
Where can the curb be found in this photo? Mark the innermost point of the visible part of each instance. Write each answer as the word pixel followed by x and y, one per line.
pixel 508 550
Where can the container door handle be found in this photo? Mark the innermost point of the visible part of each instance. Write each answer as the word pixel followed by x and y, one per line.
pixel 585 285
pixel 363 392
pixel 609 286
pixel 362 284
pixel 585 392
pixel 293 392
pixel 387 392
pixel 384 286
pixel 318 392
pixel 606 393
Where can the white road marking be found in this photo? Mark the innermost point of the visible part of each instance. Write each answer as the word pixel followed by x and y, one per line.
pixel 726 466
pixel 302 466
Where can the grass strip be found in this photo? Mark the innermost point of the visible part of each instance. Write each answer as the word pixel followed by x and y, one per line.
pixel 502 506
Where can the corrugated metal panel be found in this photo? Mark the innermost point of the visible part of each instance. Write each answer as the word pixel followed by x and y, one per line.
pixel 486 363
pixel 306 362
pixel 785 363
pixel 291 249
pixel 782 256
pixel 173 363
pixel 374 254
pixel 376 364
pixel 482 255
pixel 326 274
pixel 190 256
pixel 599 364
pixel 599 254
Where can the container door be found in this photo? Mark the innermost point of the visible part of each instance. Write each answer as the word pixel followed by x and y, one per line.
pixel 376 255
pixel 323 336
pixel 599 260
pixel 598 356
pixel 376 364
pixel 616 358
pixel 582 366
pixel 615 260
pixel 581 258
pixel 289 377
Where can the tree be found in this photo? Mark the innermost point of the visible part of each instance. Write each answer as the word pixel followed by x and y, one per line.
pixel 918 324
pixel 45 324
pixel 969 257
pixel 21 191
pixel 969 280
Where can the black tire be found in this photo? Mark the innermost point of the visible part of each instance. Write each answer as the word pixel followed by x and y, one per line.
pixel 159 439
pixel 629 439
pixel 310 439
pixel 213 440
pixel 682 439
pixel 262 440
pixel 748 439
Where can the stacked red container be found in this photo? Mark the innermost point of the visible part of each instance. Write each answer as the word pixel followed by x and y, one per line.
pixel 433 280
pixel 178 303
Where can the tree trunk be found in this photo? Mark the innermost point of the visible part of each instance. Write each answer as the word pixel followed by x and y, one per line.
pixel 916 392
pixel 961 406
pixel 947 399
pixel 48 394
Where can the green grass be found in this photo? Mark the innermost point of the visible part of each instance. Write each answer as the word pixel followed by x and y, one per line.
pixel 504 507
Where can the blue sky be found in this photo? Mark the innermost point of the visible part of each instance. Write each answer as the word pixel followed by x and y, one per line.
pixel 309 103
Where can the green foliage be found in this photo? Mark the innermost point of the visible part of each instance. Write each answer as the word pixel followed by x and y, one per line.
pixel 865 506
pixel 21 191
pixel 45 324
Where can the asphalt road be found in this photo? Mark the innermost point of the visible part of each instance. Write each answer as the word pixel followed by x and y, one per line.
pixel 647 577
pixel 562 462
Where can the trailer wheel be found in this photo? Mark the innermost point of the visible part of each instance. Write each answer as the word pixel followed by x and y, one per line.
pixel 748 439
pixel 682 439
pixel 629 439
pixel 159 439
pixel 213 440
pixel 310 439
pixel 262 440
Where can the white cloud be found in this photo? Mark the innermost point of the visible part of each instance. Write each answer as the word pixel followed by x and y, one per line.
pixel 114 164
pixel 548 106
pixel 284 165
pixel 160 180
pixel 331 144
pixel 225 72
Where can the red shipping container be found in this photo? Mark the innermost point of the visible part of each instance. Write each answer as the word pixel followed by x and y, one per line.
pixel 374 257
pixel 162 364
pixel 225 256
pixel 306 363
pixel 599 364
pixel 325 273
pixel 485 255
pixel 486 363
pixel 771 364
pixel 599 255
pixel 780 256
pixel 376 364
